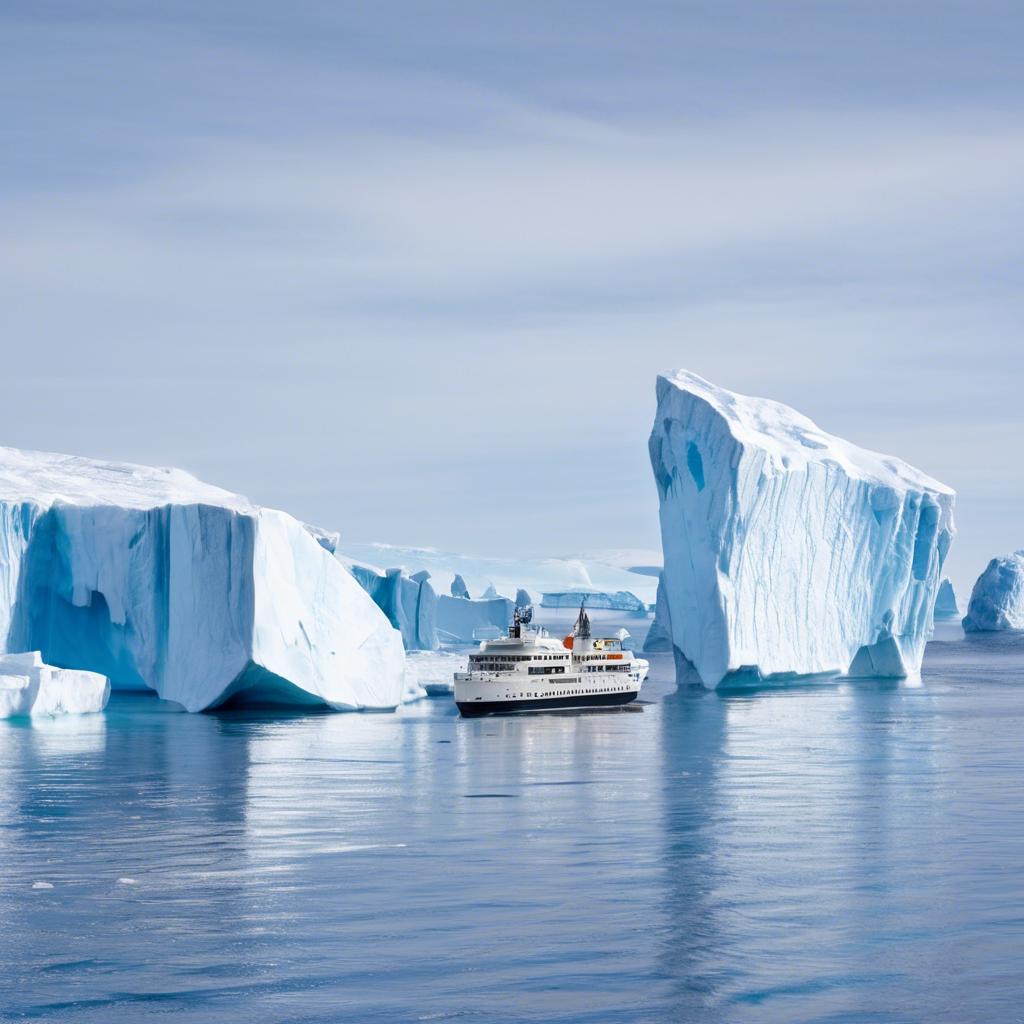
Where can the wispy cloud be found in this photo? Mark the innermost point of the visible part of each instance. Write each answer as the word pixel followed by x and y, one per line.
pixel 341 257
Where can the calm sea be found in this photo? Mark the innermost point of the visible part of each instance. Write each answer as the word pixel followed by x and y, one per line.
pixel 837 852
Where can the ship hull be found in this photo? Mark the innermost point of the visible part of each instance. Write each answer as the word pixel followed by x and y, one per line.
pixel 480 708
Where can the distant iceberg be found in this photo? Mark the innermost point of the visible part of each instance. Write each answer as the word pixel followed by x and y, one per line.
pixel 463 575
pixel 28 687
pixel 788 551
pixel 409 602
pixel 997 600
pixel 620 601
pixel 462 620
pixel 946 603
pixel 154 579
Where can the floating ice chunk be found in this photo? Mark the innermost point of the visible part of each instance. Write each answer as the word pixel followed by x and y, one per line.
pixel 29 687
pixel 788 551
pixel 155 579
pixel 946 603
pixel 42 885
pixel 997 600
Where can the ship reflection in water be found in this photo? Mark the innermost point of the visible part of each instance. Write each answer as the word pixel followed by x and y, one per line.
pixel 848 851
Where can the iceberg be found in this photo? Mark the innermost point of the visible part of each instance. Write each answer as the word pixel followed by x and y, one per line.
pixel 28 687
pixel 409 602
pixel 155 579
pixel 462 620
pixel 997 600
pixel 659 636
pixel 620 601
pixel 789 552
pixel 462 575
pixel 945 603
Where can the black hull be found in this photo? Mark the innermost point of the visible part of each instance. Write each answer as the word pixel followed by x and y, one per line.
pixel 479 708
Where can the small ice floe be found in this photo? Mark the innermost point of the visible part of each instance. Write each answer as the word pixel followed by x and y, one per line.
pixel 29 687
pixel 435 670
pixel 41 885
pixel 127 881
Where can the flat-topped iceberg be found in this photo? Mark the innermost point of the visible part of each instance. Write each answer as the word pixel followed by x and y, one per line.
pixel 30 688
pixel 997 600
pixel 788 551
pixel 154 579
pixel 620 601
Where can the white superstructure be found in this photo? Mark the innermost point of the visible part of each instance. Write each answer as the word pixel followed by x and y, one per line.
pixel 530 671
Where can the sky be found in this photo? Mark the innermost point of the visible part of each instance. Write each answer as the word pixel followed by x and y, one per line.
pixel 410 270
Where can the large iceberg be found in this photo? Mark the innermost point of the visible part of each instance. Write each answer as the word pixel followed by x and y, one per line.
pixel 997 600
pixel 790 552
pixel 154 579
pixel 29 687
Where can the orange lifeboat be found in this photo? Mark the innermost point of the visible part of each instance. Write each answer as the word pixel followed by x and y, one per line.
pixel 567 642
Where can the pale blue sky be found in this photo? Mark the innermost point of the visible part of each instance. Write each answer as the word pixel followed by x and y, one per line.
pixel 409 270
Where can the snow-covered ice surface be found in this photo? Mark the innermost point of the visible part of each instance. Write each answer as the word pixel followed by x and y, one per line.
pixel 156 579
pixel 997 600
pixel 29 687
pixel 946 606
pixel 788 551
pixel 507 575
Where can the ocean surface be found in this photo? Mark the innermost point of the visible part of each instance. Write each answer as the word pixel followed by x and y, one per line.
pixel 831 852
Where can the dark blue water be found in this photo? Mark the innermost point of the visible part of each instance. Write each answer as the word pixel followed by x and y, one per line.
pixel 845 852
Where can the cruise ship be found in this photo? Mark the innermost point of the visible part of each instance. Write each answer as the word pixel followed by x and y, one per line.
pixel 527 670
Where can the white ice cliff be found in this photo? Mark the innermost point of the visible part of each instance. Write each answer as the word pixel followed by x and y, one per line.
pixel 945 603
pixel 788 551
pixel 30 688
pixel 997 600
pixel 155 579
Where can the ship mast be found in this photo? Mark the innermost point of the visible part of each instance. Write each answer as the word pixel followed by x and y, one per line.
pixel 582 627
